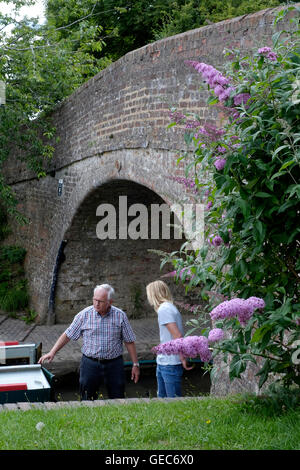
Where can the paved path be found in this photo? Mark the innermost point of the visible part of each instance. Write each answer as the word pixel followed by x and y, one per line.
pixel 67 359
pixel 25 406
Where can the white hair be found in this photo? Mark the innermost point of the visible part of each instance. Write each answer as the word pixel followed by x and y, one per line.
pixel 109 289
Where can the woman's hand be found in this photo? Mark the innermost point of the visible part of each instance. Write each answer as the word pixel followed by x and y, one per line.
pixel 184 363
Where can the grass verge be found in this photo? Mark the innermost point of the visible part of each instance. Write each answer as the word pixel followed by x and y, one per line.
pixel 210 423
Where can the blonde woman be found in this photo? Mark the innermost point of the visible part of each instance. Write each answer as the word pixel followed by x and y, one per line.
pixel 169 367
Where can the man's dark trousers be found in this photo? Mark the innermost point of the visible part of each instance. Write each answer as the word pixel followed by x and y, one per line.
pixel 94 373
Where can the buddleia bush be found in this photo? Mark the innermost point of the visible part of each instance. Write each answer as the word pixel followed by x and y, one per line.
pixel 249 267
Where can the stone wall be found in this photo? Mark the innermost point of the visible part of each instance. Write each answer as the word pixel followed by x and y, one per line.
pixel 113 129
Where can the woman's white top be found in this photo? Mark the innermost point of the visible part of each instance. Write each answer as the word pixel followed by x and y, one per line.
pixel 168 313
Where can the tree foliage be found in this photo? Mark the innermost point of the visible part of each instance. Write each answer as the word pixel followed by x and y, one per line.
pixel 126 24
pixel 192 14
pixel 40 68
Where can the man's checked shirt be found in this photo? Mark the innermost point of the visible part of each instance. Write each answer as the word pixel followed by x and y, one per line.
pixel 102 336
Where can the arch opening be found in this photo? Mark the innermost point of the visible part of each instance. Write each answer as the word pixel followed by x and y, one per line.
pixel 124 262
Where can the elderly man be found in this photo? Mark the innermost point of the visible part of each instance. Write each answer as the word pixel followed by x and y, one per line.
pixel 103 328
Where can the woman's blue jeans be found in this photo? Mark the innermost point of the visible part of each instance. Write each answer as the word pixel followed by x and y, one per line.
pixel 169 380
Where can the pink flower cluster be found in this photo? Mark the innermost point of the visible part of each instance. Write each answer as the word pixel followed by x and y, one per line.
pixel 190 346
pixel 189 183
pixel 208 202
pixel 268 53
pixel 220 163
pixel 189 307
pixel 216 334
pixel 208 205
pixel 223 91
pixel 177 117
pixel 213 78
pixel 243 309
pixel 241 98
pixel 211 132
pixel 215 240
pixel 188 274
pixel 192 124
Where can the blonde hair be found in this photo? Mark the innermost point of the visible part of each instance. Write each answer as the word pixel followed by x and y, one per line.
pixel 157 293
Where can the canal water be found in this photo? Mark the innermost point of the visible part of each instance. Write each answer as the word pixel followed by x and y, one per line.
pixel 195 382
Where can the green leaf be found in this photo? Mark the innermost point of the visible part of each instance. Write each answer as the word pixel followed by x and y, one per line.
pixel 294 189
pixel 188 138
pixel 249 357
pixel 193 322
pixel 289 203
pixel 241 268
pixel 262 194
pixel 171 125
pixel 212 100
pixel 277 175
pixel 259 231
pixel 266 339
pixel 263 378
pixel 260 332
pixel 237 367
pixel 293 234
pixel 279 150
pixel 286 164
pixel 192 330
pixel 276 37
pixel 245 207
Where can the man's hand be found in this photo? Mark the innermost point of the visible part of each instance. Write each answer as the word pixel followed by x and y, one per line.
pixel 60 343
pixel 46 357
pixel 135 374
pixel 135 371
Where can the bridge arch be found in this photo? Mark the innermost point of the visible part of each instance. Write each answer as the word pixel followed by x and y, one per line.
pixel 125 263
pixel 86 185
pixel 114 127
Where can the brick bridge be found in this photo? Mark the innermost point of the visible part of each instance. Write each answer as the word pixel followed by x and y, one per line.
pixel 114 141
